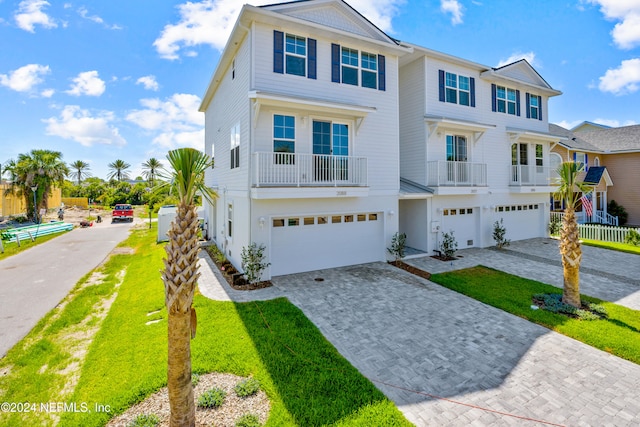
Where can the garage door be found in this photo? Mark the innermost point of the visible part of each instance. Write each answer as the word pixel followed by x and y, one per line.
pixel 521 221
pixel 463 222
pixel 305 243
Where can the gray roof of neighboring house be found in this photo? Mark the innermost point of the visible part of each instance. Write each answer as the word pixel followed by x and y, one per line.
pixel 573 141
pixel 626 138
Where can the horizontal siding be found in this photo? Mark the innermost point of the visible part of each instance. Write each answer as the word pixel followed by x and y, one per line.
pixel 412 126
pixel 625 174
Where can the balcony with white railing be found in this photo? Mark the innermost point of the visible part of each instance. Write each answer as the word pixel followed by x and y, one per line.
pixel 445 174
pixel 308 170
pixel 532 176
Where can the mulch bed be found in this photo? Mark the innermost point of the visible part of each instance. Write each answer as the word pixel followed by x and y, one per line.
pixel 411 269
pixel 235 279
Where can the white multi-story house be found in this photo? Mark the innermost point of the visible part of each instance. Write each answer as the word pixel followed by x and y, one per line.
pixel 329 137
pixel 474 149
pixel 301 115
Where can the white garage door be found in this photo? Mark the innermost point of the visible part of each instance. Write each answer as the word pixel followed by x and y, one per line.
pixel 305 243
pixel 521 221
pixel 463 222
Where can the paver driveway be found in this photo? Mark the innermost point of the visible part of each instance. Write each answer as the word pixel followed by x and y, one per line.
pixel 404 332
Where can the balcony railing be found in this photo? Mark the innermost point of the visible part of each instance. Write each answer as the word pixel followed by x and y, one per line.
pixel 456 174
pixel 524 175
pixel 308 170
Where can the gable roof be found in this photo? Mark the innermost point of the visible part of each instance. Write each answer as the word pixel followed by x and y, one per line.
pixel 614 140
pixel 587 126
pixel 573 141
pixel 521 72
pixel 594 174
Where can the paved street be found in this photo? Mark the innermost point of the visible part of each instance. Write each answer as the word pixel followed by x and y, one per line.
pixel 416 340
pixel 36 280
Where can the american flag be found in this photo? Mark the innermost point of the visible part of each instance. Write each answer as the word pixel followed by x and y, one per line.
pixel 586 204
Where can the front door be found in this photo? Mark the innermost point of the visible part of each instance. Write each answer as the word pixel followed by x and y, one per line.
pixel 331 151
pixel 520 164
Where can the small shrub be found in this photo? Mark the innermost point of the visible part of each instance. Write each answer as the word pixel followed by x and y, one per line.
pixel 253 261
pixel 248 420
pixel 554 304
pixel 398 244
pixel 555 225
pixel 449 246
pixel 247 387
pixel 499 232
pixel 614 209
pixel 4 233
pixel 144 420
pixel 633 238
pixel 212 398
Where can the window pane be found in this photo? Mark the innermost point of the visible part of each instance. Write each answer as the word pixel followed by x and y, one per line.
pixel 350 56
pixel 278 222
pixel 295 65
pixel 502 107
pixel 452 96
pixel 511 95
pixel 369 79
pixel 362 217
pixel 500 92
pixel 350 76
pixel 348 218
pixel 464 98
pixel 511 108
pixel 464 83
pixel 296 45
pixel 340 140
pixel 280 146
pixel 369 61
pixel 322 220
pixel 336 219
pixel 293 222
pixel 309 221
pixel 451 80
pixel 373 217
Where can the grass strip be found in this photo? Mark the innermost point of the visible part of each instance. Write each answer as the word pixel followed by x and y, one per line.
pixel 127 360
pixel 13 248
pixel 620 247
pixel 619 334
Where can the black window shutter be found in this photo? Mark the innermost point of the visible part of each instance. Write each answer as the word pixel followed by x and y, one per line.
pixel 472 89
pixel 494 106
pixel 335 63
pixel 231 161
pixel 278 52
pixel 539 108
pixel 528 104
pixel 441 85
pixel 311 57
pixel 517 102
pixel 382 84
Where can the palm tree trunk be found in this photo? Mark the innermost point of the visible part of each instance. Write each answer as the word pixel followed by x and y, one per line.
pixel 180 276
pixel 571 257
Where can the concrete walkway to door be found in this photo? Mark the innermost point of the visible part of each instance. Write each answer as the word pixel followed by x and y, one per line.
pixel 406 333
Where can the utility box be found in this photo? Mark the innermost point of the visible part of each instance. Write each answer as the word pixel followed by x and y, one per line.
pixel 166 215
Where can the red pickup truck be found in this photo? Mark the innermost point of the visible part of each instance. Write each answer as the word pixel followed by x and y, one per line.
pixel 122 212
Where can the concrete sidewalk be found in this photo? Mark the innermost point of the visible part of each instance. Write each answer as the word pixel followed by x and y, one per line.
pixel 416 340
pixel 34 281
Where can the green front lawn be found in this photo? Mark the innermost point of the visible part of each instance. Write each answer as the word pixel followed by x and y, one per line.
pixel 622 247
pixel 306 379
pixel 618 335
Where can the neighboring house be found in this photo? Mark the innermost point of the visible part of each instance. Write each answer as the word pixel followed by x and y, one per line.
pixel 330 137
pixel 302 114
pixel 474 149
pixel 617 149
pixel 588 126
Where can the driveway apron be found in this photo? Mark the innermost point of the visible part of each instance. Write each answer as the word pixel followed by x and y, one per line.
pixel 36 280
pixel 446 359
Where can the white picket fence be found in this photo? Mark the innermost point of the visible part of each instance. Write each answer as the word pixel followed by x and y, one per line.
pixel 604 233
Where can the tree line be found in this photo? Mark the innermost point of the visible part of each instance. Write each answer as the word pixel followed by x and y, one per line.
pixel 34 174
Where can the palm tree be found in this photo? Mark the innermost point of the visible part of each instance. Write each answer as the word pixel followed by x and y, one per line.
pixel 119 170
pixel 40 170
pixel 151 169
pixel 570 191
pixel 80 170
pixel 180 275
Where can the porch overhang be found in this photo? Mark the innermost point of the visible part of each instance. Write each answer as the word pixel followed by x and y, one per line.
pixel 515 135
pixel 438 123
pixel 316 105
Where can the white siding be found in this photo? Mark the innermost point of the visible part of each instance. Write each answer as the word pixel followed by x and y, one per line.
pixel 413 146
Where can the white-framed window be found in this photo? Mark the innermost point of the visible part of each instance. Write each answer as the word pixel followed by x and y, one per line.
pixel 369 72
pixel 235 146
pixel 230 220
pixel 581 159
pixel 506 100
pixel 295 55
pixel 456 148
pixel 359 68
pixel 596 161
pixel 349 59
pixel 534 107
pixel 456 89
pixel 539 155
pixel 284 139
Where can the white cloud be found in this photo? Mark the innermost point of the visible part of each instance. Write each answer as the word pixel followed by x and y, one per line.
pixel 47 93
pixel 529 56
pixel 626 33
pixel 30 14
pixel 622 80
pixel 25 78
pixel 176 120
pixel 454 8
pixel 87 83
pixel 81 126
pixel 95 18
pixel 210 22
pixel 149 82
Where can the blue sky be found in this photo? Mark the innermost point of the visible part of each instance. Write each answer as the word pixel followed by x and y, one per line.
pixel 107 80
